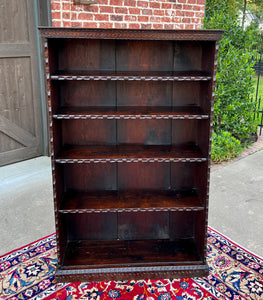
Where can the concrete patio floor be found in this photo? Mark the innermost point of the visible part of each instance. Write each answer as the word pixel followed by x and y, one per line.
pixel 236 202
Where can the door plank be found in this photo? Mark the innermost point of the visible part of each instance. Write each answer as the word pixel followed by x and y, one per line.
pixel 17 133
pixel 20 119
pixel 15 50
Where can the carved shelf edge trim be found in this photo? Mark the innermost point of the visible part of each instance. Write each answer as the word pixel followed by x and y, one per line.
pixel 129 34
pixel 127 117
pixel 131 78
pixel 120 210
pixel 132 160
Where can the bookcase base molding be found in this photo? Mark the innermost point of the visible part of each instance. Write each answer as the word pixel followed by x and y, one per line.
pixel 130 132
pixel 132 273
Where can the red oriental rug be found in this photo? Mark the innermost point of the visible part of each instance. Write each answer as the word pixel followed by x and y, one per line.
pixel 235 273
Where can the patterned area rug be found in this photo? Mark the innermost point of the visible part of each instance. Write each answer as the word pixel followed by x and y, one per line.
pixel 28 273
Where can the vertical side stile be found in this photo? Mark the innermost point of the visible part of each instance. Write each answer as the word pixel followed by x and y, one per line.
pixel 48 83
pixel 216 49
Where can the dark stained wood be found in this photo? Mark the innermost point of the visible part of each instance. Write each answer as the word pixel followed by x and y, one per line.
pixel 131 75
pixel 136 273
pixel 143 175
pixel 132 225
pixel 144 132
pixel 187 56
pixel 98 254
pixel 185 175
pixel 131 112
pixel 95 227
pixel 86 55
pixel 88 132
pixel 105 201
pixel 90 177
pixel 131 34
pixel 144 55
pixel 130 151
pixel 87 93
pixel 189 99
pixel 131 125
pixel 144 93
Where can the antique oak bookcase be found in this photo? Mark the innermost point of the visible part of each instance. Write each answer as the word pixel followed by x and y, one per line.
pixel 130 130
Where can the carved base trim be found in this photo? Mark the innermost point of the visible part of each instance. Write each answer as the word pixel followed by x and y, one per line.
pixel 106 274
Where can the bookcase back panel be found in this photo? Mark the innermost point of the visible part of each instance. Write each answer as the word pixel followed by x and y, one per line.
pixel 187 56
pixel 191 132
pixel 186 93
pixel 87 93
pixel 186 176
pixel 179 177
pixel 92 226
pixel 146 132
pixel 183 224
pixel 88 132
pixel 90 177
pixel 82 54
pixel 132 226
pixel 143 225
pixel 144 55
pixel 143 132
pixel 185 131
pixel 144 93
pixel 130 93
pixel 143 176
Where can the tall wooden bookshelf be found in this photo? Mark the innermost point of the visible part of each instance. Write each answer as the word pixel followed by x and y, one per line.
pixel 130 132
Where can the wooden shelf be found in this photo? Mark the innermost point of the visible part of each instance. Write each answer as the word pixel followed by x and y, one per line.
pixel 130 153
pixel 139 252
pixel 114 201
pixel 130 120
pixel 131 112
pixel 144 76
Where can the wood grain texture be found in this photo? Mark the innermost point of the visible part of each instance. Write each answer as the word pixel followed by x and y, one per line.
pixel 131 135
pixel 130 201
pixel 14 21
pixel 125 253
pixel 130 34
pixel 136 273
pixel 21 126
pixel 130 112
pixel 126 152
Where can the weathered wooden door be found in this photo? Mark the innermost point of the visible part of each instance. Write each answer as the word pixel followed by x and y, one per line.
pixel 20 116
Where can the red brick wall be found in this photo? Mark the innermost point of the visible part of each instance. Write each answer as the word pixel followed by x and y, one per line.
pixel 135 14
